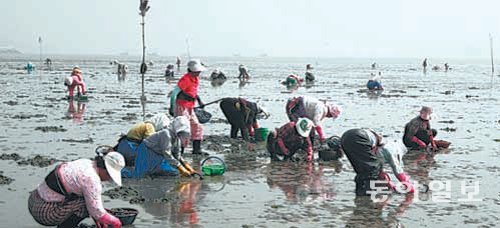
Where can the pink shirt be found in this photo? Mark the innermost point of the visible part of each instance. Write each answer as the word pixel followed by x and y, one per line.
pixel 78 177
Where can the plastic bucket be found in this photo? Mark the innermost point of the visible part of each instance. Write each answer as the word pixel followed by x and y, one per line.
pixel 213 166
pixel 261 134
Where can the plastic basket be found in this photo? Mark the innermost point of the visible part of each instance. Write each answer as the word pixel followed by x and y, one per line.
pixel 213 166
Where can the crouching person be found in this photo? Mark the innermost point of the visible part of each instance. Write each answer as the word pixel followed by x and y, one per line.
pixel 128 144
pixel 161 153
pixel 367 153
pixel 289 138
pixel 72 192
pixel 242 115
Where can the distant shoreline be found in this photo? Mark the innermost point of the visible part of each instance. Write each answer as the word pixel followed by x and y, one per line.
pixel 312 60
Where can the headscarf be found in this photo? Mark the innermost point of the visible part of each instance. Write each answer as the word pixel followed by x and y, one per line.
pixel 159 121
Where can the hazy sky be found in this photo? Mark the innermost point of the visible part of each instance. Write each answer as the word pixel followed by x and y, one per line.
pixel 292 28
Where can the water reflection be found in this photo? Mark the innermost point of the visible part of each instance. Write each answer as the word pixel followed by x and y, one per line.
pixel 419 164
pixel 243 82
pixel 374 94
pixel 184 210
pixel 171 199
pixel 218 82
pixel 121 76
pixel 78 113
pixel 301 183
pixel 369 213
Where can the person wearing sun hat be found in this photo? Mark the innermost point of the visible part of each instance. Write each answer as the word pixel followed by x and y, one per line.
pixel 313 109
pixel 186 99
pixel 127 144
pixel 75 81
pixel 289 138
pixel 72 191
pixel 161 153
pixel 418 132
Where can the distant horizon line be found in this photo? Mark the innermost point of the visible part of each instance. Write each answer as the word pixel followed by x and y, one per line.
pixel 244 56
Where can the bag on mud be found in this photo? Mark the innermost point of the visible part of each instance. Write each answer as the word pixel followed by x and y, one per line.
pixel 202 115
pixel 68 81
pixel 173 98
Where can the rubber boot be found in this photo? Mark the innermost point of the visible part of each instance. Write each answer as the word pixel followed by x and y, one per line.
pixel 196 146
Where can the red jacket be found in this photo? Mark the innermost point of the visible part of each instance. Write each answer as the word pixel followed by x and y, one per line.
pixel 189 85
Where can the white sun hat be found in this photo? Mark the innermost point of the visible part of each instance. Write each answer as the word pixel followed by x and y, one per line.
pixel 181 124
pixel 114 162
pixel 195 65
pixel 304 126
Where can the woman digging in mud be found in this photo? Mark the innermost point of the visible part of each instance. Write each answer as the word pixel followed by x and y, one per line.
pixel 242 115
pixel 289 138
pixel 127 144
pixel 368 151
pixel 160 155
pixel 418 133
pixel 312 109
pixel 72 192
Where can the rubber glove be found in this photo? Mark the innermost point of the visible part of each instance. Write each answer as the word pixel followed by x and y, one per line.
pixel 421 144
pixel 282 146
pixel 405 179
pixel 183 171
pixel 310 154
pixel 433 143
pixel 251 132
pixel 384 176
pixel 108 220
pixel 188 167
pixel 321 134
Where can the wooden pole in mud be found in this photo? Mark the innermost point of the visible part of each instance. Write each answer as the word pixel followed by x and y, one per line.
pixel 143 7
pixel 40 43
pixel 491 52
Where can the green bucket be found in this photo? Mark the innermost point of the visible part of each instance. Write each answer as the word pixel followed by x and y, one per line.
pixel 83 98
pixel 213 170
pixel 261 134
pixel 213 166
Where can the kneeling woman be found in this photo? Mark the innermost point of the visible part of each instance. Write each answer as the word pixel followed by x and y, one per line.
pixel 289 138
pixel 159 155
pixel 374 83
pixel 292 80
pixel 72 192
pixel 367 153
pixel 128 144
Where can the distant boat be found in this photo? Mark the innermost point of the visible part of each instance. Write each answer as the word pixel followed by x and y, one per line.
pixel 264 55
pixel 124 54
pixel 236 55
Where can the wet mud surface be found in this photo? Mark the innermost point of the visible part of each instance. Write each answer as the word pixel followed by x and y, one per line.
pixel 4 179
pixel 37 160
pixel 44 129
